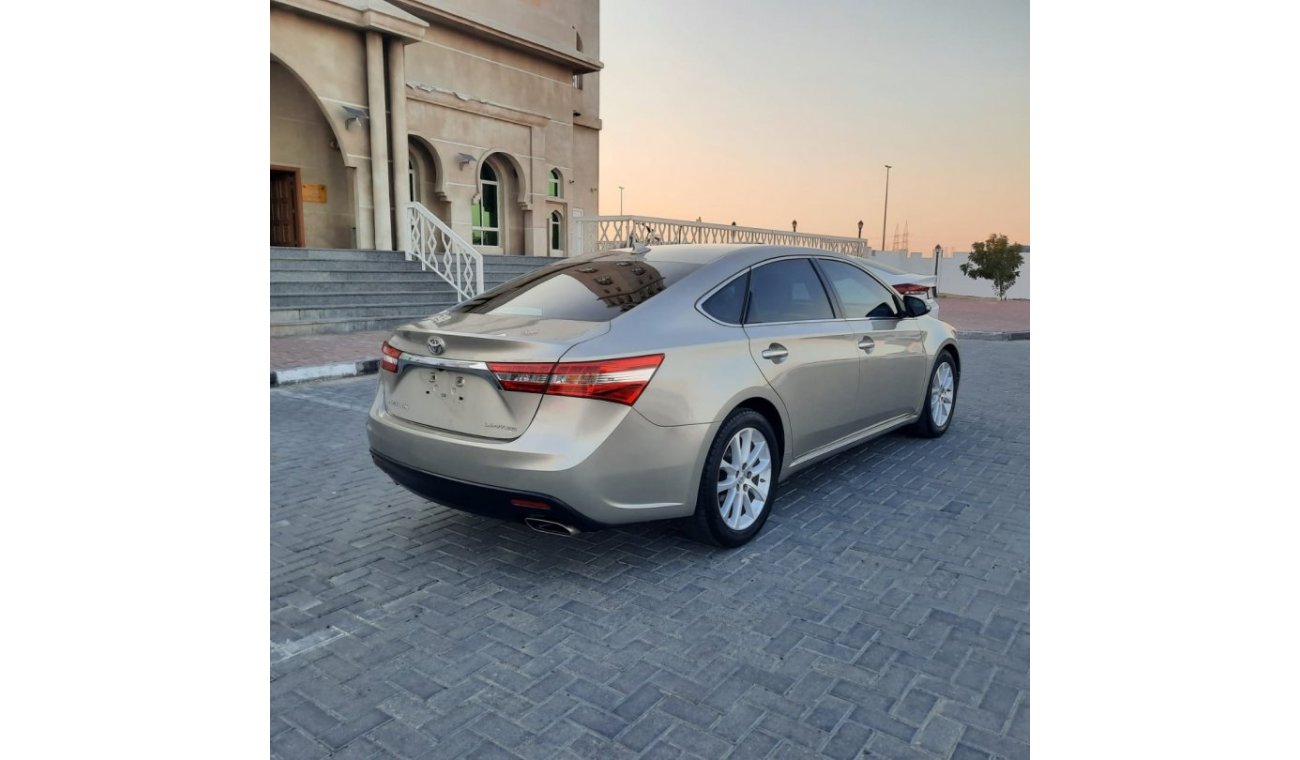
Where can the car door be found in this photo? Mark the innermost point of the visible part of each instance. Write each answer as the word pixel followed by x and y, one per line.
pixel 805 352
pixel 891 348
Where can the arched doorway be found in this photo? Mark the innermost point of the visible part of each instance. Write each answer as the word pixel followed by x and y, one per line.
pixel 426 179
pixel 311 188
pixel 496 216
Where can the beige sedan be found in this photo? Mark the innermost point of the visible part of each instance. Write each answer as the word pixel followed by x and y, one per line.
pixel 678 382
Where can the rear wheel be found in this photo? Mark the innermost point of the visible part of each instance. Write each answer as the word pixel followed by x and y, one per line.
pixel 940 399
pixel 738 485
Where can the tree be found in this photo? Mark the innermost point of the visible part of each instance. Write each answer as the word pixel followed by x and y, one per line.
pixel 994 260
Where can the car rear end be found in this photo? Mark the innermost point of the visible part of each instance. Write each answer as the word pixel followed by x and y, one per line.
pixel 923 286
pixel 478 409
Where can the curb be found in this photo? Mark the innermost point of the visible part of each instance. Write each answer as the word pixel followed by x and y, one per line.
pixel 324 372
pixel 993 335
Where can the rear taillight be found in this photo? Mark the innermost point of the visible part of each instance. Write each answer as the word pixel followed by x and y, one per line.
pixel 910 289
pixel 618 380
pixel 525 377
pixel 389 360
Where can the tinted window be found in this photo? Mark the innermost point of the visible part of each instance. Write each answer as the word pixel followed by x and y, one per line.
pixel 727 303
pixel 588 291
pixel 860 295
pixel 787 291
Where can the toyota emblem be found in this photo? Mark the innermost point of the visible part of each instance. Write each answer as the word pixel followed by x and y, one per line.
pixel 437 346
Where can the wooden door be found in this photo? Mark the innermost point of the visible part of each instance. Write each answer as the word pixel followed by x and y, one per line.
pixel 286 208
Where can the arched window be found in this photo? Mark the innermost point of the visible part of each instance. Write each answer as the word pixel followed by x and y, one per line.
pixel 553 187
pixel 487 211
pixel 557 232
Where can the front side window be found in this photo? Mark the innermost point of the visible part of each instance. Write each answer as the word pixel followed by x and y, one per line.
pixel 787 291
pixel 553 186
pixel 557 232
pixel 860 295
pixel 486 212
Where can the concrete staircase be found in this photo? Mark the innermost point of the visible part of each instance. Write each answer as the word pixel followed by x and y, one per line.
pixel 315 291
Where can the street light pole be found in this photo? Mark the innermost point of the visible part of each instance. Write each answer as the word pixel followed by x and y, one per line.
pixel 938 254
pixel 620 200
pixel 886 216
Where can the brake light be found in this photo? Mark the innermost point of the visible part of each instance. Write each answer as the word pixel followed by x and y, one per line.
pixel 910 288
pixel 389 360
pixel 525 377
pixel 619 380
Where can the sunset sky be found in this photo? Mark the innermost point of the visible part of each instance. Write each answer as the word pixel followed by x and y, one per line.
pixel 764 111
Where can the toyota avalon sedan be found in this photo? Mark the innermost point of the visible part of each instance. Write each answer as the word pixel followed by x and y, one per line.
pixel 682 381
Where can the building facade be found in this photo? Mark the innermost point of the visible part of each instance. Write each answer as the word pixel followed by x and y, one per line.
pixel 486 112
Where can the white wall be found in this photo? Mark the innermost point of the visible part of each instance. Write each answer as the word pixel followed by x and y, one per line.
pixel 951 280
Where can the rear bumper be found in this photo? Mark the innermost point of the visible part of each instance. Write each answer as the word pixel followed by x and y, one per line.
pixel 599 462
pixel 487 501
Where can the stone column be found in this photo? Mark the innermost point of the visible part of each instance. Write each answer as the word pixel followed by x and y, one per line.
pixel 401 153
pixel 378 139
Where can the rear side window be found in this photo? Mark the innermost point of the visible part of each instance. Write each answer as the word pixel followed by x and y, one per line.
pixel 860 295
pixel 787 291
pixel 588 291
pixel 728 303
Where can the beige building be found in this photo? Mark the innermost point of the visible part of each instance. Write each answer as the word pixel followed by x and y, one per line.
pixel 486 112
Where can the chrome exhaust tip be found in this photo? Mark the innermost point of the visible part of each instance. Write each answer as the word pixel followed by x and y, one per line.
pixel 551 527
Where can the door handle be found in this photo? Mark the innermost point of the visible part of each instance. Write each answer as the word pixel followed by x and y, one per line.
pixel 776 352
pixel 867 344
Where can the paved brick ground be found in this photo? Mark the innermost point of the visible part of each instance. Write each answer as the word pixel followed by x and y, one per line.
pixel 985 314
pixel 309 350
pixel 883 612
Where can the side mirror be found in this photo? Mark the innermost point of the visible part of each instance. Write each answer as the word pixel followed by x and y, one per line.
pixel 915 307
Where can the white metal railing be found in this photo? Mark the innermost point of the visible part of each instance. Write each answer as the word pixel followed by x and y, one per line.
pixel 439 248
pixel 603 233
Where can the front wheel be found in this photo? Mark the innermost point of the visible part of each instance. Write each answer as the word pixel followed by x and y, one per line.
pixel 738 485
pixel 940 399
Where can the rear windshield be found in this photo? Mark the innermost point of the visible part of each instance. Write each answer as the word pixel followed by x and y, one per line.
pixel 587 291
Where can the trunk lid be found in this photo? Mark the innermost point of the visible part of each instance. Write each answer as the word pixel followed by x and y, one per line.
pixel 443 380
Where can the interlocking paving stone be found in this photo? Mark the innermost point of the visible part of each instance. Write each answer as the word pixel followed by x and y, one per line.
pixel 883 611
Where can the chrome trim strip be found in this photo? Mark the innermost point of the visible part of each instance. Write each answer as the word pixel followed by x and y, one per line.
pixel 460 365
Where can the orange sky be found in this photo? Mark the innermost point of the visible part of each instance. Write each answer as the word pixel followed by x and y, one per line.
pixel 766 111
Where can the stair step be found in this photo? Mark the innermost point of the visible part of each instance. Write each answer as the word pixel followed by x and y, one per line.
pixel 354 277
pixel 358 311
pixel 336 326
pixel 342 265
pixel 429 286
pixel 369 298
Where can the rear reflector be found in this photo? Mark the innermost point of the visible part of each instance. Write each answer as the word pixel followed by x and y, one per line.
pixel 529 503
pixel 389 360
pixel 617 380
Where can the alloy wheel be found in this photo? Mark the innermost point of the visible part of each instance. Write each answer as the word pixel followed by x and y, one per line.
pixel 744 479
pixel 943 391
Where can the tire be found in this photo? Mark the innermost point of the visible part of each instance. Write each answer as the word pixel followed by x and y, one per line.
pixel 721 517
pixel 932 424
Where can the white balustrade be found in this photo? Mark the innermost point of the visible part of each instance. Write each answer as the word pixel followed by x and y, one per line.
pixel 603 233
pixel 440 249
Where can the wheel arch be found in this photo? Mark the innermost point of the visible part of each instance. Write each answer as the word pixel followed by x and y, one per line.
pixel 773 416
pixel 951 347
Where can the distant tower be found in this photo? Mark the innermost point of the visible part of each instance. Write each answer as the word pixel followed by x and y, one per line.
pixel 906 247
pixel 894 247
